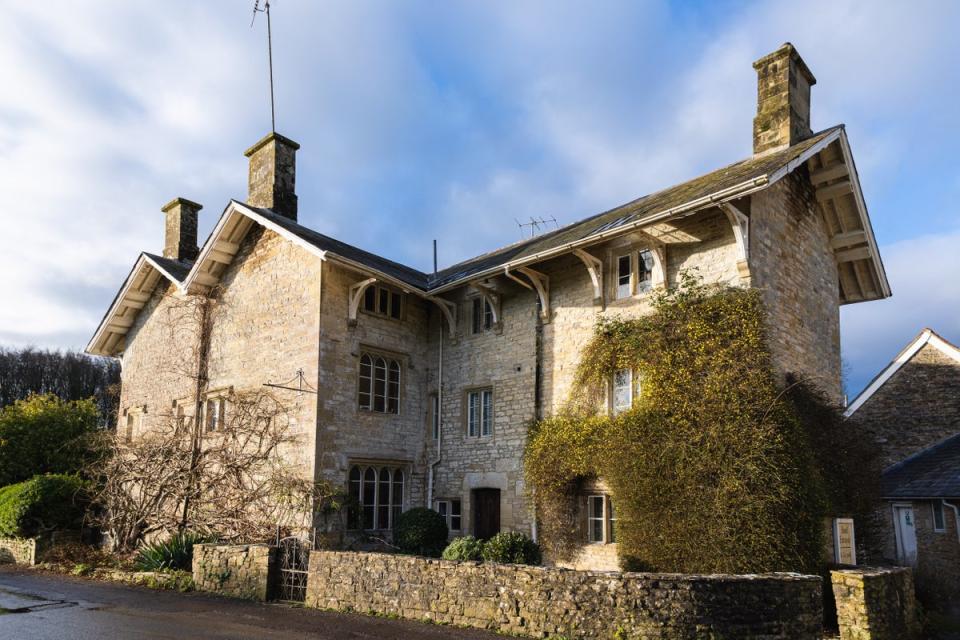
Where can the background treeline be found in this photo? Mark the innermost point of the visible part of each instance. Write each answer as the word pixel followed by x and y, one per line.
pixel 69 375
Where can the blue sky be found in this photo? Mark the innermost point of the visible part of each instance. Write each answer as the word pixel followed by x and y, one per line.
pixel 424 120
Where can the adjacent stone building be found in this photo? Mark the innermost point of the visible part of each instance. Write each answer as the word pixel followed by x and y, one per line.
pixel 426 382
pixel 912 410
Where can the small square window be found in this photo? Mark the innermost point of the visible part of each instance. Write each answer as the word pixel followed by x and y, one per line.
pixel 451 512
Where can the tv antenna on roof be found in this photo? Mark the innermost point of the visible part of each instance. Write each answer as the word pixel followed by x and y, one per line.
pixel 535 225
pixel 266 10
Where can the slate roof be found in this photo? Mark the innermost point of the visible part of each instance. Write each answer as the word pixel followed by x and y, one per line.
pixel 176 268
pixel 932 473
pixel 632 212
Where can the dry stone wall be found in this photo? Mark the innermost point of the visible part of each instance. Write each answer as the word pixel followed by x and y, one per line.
pixel 18 550
pixel 240 571
pixel 542 602
pixel 875 604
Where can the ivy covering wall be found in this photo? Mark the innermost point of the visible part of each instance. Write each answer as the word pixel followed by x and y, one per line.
pixel 719 466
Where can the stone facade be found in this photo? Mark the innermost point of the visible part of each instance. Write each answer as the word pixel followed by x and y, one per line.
pixel 542 602
pixel 18 550
pixel 916 408
pixel 875 604
pixel 240 571
pixel 284 305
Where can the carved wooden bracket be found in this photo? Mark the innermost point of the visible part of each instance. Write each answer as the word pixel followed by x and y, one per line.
pixel 356 295
pixel 741 233
pixel 594 267
pixel 541 282
pixel 449 310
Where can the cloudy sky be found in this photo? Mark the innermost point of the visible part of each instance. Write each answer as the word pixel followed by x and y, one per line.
pixel 449 120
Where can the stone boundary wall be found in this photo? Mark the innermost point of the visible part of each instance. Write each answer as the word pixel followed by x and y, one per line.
pixel 238 570
pixel 18 550
pixel 540 602
pixel 875 603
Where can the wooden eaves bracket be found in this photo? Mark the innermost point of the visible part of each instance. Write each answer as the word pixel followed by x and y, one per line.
pixel 594 267
pixel 356 295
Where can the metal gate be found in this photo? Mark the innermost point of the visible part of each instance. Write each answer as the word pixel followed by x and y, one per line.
pixel 294 558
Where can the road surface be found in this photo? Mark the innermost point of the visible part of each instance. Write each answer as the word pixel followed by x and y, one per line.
pixel 44 606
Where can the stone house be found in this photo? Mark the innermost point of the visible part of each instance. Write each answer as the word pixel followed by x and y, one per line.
pixel 426 382
pixel 912 410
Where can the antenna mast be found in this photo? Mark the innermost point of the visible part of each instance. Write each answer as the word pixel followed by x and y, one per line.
pixel 266 10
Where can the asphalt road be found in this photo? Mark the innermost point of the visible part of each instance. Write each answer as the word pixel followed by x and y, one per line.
pixel 42 606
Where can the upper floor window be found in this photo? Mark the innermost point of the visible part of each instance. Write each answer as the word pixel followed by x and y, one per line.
pixel 625 389
pixel 482 315
pixel 452 512
pixel 480 413
pixel 624 277
pixel 379 384
pixel 383 301
pixel 133 422
pixel 634 273
pixel 376 497
pixel 600 519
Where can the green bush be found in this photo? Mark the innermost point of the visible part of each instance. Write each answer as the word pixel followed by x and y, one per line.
pixel 464 548
pixel 44 434
pixel 512 548
pixel 420 531
pixel 175 552
pixel 41 504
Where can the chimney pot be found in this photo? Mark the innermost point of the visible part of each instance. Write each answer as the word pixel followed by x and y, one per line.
pixel 783 100
pixel 181 229
pixel 272 183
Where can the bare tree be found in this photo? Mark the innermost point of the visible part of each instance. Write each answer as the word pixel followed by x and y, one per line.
pixel 236 481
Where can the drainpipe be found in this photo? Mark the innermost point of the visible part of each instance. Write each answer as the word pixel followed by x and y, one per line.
pixel 439 417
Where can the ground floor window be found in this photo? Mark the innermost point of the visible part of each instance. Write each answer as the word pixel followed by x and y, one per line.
pixel 939 524
pixel 451 510
pixel 376 497
pixel 600 520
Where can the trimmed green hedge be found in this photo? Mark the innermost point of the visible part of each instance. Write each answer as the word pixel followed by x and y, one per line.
pixel 511 548
pixel 420 531
pixel 40 504
pixel 464 548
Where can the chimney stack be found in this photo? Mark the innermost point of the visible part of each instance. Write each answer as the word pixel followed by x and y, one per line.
pixel 783 100
pixel 273 175
pixel 181 229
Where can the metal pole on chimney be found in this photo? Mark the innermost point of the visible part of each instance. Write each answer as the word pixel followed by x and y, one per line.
pixel 266 9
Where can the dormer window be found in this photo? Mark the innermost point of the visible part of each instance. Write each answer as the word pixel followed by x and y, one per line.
pixel 383 301
pixel 634 273
pixel 482 315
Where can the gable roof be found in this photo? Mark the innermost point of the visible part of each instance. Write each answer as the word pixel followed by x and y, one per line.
pixel 825 153
pixel 931 473
pixel 137 288
pixel 925 337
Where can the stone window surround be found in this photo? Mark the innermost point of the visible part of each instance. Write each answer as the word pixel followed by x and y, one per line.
pixel 220 396
pixel 393 293
pixel 448 512
pixel 635 388
pixel 377 464
pixel 401 358
pixel 606 516
pixel 465 410
pixel 630 247
pixel 134 418
pixel 495 328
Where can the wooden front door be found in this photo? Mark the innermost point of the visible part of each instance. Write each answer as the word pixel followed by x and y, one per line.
pixel 486 513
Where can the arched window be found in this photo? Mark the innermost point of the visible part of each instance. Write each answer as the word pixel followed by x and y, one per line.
pixel 379 384
pixel 376 497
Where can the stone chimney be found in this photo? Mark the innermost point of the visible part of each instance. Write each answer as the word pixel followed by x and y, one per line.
pixel 181 229
pixel 783 100
pixel 273 169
